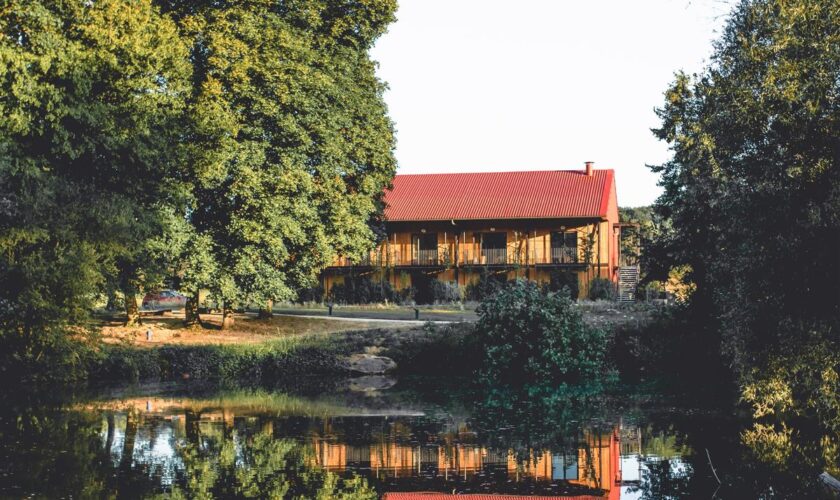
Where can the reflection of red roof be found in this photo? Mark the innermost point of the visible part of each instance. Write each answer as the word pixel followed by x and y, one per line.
pixel 544 194
pixel 478 496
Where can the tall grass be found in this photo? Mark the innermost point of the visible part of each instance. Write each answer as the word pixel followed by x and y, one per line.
pixel 264 362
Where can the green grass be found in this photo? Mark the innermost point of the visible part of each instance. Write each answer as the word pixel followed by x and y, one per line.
pixel 263 362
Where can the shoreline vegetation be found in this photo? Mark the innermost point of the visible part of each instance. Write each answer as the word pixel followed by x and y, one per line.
pixel 264 350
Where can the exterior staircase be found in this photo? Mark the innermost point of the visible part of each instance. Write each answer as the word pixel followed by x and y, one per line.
pixel 628 280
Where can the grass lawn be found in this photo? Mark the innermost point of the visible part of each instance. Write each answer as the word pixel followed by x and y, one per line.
pixel 168 329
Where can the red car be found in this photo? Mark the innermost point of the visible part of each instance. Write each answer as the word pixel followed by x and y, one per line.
pixel 164 300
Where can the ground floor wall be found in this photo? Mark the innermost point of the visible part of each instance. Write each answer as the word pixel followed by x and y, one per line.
pixel 401 279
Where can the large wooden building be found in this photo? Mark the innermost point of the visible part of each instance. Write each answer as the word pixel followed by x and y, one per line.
pixel 456 227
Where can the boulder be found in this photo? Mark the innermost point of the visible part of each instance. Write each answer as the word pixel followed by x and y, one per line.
pixel 371 383
pixel 369 364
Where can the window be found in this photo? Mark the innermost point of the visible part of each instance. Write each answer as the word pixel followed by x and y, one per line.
pixel 493 248
pixel 425 247
pixel 564 247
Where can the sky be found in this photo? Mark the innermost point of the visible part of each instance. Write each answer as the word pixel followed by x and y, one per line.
pixel 492 85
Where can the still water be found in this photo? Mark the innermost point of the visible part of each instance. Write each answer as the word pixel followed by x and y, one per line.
pixel 377 438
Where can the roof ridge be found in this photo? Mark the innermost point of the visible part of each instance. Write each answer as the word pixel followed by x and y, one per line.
pixel 508 172
pixel 502 195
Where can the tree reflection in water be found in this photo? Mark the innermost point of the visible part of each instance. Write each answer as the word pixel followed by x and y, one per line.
pixel 520 440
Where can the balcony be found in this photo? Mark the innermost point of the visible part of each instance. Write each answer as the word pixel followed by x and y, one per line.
pixel 564 255
pixel 425 258
pixel 468 255
pixel 494 256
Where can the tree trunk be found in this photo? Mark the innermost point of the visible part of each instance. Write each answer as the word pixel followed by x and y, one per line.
pixel 111 305
pixel 191 317
pixel 266 311
pixel 109 440
pixel 227 316
pixel 128 444
pixel 132 313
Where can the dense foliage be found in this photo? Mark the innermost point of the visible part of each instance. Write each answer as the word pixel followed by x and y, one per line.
pixel 230 146
pixel 487 285
pixel 528 335
pixel 363 290
pixel 752 193
pixel 93 94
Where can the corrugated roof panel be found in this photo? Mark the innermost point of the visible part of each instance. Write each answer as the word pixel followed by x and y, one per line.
pixel 482 496
pixel 499 195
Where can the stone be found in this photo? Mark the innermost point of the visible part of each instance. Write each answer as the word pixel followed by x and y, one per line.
pixel 371 383
pixel 369 364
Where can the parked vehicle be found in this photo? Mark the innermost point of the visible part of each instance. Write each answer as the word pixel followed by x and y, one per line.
pixel 164 300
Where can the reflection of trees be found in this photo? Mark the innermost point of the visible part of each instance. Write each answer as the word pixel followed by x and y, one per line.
pixel 532 419
pixel 524 418
pixel 228 465
pixel 663 479
pixel 53 454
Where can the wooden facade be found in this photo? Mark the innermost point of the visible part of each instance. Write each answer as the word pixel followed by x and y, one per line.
pixel 461 250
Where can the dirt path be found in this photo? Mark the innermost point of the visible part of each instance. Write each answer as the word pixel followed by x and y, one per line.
pixel 168 328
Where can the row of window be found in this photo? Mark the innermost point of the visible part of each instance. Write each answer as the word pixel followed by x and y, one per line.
pixel 494 240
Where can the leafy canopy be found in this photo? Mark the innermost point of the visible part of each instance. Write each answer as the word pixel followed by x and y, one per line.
pixel 530 336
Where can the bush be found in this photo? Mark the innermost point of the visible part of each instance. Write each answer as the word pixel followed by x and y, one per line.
pixel 442 351
pixel 529 335
pixel 487 286
pixel 311 294
pixel 601 289
pixel 267 362
pixel 363 290
pixel 444 292
pixel 559 280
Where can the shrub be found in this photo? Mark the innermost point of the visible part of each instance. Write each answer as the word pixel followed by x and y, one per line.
pixel 601 289
pixel 560 280
pixel 311 294
pixel 406 295
pixel 442 351
pixel 363 290
pixel 530 335
pixel 445 292
pixel 487 285
pixel 257 363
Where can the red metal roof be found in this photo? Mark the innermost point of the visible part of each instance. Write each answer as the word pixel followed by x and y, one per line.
pixel 544 194
pixel 480 496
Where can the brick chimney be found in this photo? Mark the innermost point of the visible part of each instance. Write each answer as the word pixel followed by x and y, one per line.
pixel 589 167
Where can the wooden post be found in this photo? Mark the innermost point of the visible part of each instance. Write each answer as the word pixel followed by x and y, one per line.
pixel 527 256
pixel 456 256
pixel 536 272
pixel 599 249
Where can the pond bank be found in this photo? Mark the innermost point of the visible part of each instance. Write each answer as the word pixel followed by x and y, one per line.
pixel 267 350
pixel 277 358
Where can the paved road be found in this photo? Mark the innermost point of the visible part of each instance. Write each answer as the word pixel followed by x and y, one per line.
pixel 402 315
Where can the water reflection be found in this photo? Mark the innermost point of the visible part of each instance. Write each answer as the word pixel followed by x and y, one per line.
pixel 264 444
pixel 190 447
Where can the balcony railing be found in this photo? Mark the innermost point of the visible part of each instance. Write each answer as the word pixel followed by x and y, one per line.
pixel 425 258
pixel 494 256
pixel 564 255
pixel 467 256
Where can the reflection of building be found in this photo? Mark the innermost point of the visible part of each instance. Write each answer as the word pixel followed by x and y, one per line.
pixel 388 450
pixel 593 465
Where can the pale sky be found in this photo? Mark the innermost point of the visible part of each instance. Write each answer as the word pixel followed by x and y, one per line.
pixel 490 85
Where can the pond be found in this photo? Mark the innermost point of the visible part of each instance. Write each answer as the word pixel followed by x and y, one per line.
pixel 378 438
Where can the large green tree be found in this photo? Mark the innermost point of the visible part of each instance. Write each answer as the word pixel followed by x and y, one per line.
pixel 291 127
pixel 753 187
pixel 91 96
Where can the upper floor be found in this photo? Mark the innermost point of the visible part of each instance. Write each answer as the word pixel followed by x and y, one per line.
pixel 509 243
